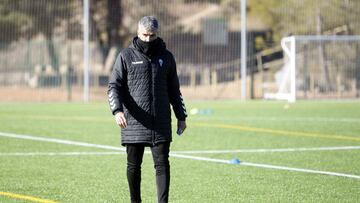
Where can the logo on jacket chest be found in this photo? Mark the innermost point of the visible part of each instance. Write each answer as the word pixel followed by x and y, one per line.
pixel 161 62
pixel 137 62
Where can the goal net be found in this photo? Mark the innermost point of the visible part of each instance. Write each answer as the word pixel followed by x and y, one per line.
pixel 317 67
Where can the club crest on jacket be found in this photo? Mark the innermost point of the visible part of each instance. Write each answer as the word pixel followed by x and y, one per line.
pixel 161 62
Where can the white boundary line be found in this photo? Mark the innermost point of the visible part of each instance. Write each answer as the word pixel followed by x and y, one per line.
pixel 267 150
pixel 185 152
pixel 317 119
pixel 29 137
pixel 268 166
pixel 58 153
pixel 60 141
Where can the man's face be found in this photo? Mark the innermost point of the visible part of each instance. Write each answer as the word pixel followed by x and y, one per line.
pixel 146 36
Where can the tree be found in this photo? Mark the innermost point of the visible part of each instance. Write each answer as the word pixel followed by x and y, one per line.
pixel 23 18
pixel 45 16
pixel 11 22
pixel 308 17
pixel 287 17
pixel 115 22
pixel 106 20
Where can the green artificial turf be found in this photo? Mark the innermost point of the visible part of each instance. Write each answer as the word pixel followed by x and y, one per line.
pixel 212 125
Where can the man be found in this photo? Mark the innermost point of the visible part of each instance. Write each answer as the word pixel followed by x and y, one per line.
pixel 143 84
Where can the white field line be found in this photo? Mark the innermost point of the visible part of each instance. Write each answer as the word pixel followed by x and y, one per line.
pixel 298 119
pixel 59 153
pixel 60 141
pixel 182 152
pixel 267 166
pixel 267 150
pixel 29 137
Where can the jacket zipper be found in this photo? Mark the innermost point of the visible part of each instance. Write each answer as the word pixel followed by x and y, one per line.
pixel 152 110
pixel 152 103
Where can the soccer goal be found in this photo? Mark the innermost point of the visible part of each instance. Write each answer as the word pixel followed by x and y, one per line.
pixel 317 67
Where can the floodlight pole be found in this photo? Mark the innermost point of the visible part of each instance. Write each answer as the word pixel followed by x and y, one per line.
pixel 243 49
pixel 86 50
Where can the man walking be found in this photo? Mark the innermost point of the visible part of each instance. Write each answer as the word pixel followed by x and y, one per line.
pixel 143 84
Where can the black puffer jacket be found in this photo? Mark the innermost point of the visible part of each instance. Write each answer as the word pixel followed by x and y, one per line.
pixel 143 87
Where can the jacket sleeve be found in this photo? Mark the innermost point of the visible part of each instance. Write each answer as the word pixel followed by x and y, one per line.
pixel 175 96
pixel 117 85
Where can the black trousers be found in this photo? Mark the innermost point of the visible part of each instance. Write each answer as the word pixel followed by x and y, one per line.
pixel 160 154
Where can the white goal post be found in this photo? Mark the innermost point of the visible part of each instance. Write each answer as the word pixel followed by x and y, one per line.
pixel 317 66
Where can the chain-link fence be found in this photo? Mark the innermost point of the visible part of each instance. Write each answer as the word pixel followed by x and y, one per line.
pixel 41 42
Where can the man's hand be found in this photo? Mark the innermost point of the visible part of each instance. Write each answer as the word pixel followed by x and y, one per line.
pixel 120 119
pixel 181 126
